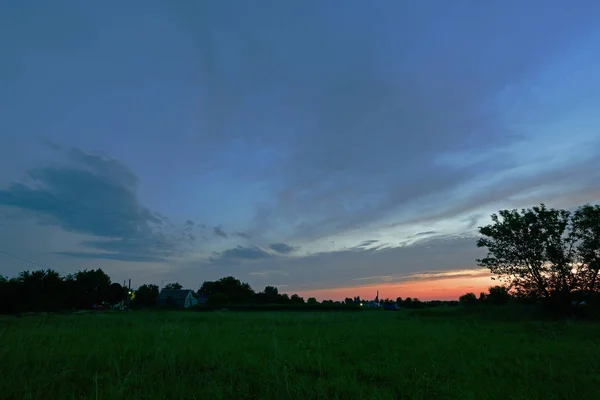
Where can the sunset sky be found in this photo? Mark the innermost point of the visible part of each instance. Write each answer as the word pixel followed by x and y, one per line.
pixel 331 148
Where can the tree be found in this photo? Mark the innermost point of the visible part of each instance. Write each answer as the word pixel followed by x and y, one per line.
pixel 312 301
pixel 42 290
pixel 227 290
pixel 173 286
pixel 468 299
pixel 10 291
pixel 544 252
pixel 91 287
pixel 283 299
pixel 498 295
pixel 116 293
pixel 270 295
pixel 146 295
pixel 416 303
pixel 399 301
pixel 296 299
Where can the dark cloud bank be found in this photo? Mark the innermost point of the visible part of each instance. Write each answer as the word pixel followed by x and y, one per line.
pixel 96 196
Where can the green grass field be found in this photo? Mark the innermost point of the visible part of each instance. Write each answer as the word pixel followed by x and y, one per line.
pixel 227 355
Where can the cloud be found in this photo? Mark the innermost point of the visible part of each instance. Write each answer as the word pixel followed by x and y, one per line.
pixel 357 266
pixel 281 248
pixel 96 196
pixel 387 124
pixel 435 258
pixel 558 181
pixel 268 274
pixel 361 136
pixel 368 243
pixel 238 254
pixel 219 232
pixel 437 275
pixel 242 235
pixel 472 221
pixel 426 233
pixel 384 278
pixel 110 256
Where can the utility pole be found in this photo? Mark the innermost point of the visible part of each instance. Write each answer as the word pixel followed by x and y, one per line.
pixel 126 294
pixel 129 294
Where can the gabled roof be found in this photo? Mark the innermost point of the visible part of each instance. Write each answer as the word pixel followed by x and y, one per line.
pixel 174 294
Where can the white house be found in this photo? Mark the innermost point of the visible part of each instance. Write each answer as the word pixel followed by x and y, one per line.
pixel 177 298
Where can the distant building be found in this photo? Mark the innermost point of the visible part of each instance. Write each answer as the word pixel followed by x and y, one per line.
pixel 176 298
pixel 372 304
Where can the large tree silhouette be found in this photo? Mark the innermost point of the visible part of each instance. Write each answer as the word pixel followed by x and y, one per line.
pixel 545 253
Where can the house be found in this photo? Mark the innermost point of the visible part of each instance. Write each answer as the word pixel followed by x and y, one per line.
pixel 176 298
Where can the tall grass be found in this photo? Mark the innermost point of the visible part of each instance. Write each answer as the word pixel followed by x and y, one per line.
pixel 370 355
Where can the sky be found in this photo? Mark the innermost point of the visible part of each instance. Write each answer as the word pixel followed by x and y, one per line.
pixel 330 148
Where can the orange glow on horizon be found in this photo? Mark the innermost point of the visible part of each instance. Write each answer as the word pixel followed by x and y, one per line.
pixel 437 287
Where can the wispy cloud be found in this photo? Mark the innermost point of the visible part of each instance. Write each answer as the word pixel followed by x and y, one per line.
pixel 269 273
pixel 238 254
pixel 220 232
pixel 281 248
pixel 384 278
pixel 111 256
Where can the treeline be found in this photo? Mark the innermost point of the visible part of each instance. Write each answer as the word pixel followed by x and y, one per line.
pixel 47 290
pixel 408 302
pixel 229 290
pixel 581 303
pixel 234 294
pixel 496 295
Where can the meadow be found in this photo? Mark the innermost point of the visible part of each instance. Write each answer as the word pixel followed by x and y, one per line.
pixel 296 355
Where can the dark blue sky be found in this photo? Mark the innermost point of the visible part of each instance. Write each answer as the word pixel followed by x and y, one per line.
pixel 310 145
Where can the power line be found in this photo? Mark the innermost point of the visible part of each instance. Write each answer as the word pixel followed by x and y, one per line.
pixel 23 259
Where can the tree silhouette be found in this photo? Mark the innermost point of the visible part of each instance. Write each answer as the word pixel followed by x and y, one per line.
pixel 116 293
pixel 498 295
pixel 270 295
pixel 296 299
pixel 173 286
pixel 227 290
pixel 146 295
pixel 544 252
pixel 468 299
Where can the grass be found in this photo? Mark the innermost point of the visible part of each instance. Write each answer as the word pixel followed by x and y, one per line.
pixel 227 355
